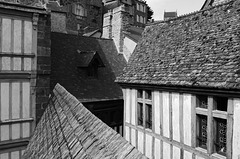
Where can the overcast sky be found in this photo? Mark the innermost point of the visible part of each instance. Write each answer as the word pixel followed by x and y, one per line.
pixel 181 6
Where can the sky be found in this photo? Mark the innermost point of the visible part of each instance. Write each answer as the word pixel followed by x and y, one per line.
pixel 181 6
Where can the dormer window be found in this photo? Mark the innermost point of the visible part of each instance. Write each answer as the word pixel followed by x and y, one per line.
pixel 89 61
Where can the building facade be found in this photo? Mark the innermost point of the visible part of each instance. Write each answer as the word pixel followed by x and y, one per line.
pixel 24 75
pixel 83 15
pixel 182 93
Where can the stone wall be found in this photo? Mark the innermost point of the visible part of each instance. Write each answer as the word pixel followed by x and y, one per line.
pixel 43 64
pixel 58 22
pixel 114 23
pixel 92 21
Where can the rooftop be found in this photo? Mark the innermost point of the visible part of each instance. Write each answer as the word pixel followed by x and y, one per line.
pixel 201 49
pixel 71 55
pixel 68 130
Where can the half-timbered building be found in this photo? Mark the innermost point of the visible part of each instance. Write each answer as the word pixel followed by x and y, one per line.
pixel 24 72
pixel 182 87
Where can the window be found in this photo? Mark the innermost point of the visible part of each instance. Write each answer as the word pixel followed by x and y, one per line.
pixel 138 6
pixel 137 16
pixel 144 108
pixel 211 113
pixel 79 10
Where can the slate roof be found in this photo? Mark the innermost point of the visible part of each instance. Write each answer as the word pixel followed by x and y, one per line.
pixel 68 130
pixel 65 69
pixel 201 49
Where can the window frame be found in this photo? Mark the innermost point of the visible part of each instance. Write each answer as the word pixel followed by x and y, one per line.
pixel 213 115
pixel 145 102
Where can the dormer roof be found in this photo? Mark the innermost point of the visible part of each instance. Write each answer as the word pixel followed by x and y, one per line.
pixel 86 58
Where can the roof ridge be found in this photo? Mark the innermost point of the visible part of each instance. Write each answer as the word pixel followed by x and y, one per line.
pixel 194 12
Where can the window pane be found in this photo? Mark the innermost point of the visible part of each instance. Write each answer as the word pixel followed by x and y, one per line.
pixel 221 103
pixel 202 131
pixel 202 101
pixel 148 94
pixel 140 93
pixel 221 131
pixel 148 116
pixel 140 114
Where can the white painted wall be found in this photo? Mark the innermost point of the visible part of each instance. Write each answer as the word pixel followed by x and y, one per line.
pixel 166 151
pixel 157 148
pixel 148 146
pixel 175 117
pixel 127 135
pixel 187 155
pixel 133 106
pixel 166 117
pixel 236 130
pixel 187 119
pixel 176 153
pixel 133 137
pixel 156 110
pixel 140 142
pixel 128 105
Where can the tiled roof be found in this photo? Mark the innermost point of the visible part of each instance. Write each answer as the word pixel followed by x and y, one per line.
pixel 65 69
pixel 68 130
pixel 201 49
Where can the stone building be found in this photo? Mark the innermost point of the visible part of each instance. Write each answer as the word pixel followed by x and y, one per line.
pixel 25 72
pixel 82 15
pixel 137 9
pixel 120 24
pixel 169 15
pixel 182 87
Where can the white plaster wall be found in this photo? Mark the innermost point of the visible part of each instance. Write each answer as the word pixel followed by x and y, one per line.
pixel 140 141
pixel 128 103
pixel 166 114
pixel 175 117
pixel 156 110
pixel 166 151
pixel 133 106
pixel 148 146
pixel 187 155
pixel 236 130
pixel 187 119
pixel 176 153
pixel 157 148
pixel 133 137
pixel 127 133
pixel 198 157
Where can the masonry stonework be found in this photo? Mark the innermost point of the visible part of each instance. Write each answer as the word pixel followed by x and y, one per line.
pixel 43 64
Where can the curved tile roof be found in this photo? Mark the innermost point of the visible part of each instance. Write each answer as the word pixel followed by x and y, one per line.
pixel 201 49
pixel 68 130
